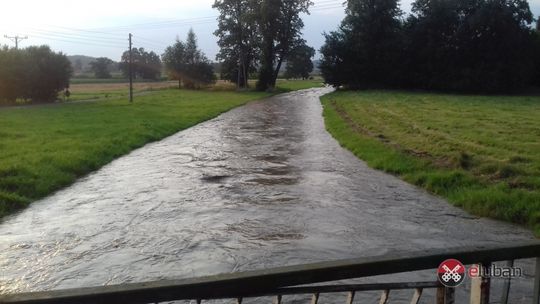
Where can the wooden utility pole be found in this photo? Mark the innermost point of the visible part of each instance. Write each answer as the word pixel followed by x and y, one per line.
pixel 16 39
pixel 238 85
pixel 130 69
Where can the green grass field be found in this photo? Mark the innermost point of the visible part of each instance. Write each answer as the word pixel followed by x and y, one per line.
pixel 44 148
pixel 99 89
pixel 482 153
pixel 92 80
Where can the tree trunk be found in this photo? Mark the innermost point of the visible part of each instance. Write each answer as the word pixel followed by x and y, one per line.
pixel 242 74
pixel 276 73
pixel 266 73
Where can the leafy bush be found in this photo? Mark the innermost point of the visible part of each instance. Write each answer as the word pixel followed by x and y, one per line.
pixel 33 74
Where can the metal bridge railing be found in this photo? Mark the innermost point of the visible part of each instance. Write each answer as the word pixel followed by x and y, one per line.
pixel 282 281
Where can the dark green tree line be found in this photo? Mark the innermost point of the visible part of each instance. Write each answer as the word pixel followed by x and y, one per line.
pixel 460 45
pixel 366 48
pixel 481 45
pixel 35 74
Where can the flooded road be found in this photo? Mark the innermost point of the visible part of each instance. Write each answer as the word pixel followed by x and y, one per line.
pixel 260 186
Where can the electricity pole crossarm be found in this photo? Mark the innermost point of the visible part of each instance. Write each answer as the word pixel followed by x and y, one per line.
pixel 16 39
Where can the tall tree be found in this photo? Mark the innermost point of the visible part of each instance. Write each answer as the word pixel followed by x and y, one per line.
pixel 366 47
pixel 100 67
pixel 280 26
pixel 299 63
pixel 174 60
pixel 237 38
pixel 187 64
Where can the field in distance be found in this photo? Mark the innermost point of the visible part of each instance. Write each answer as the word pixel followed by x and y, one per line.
pixel 90 89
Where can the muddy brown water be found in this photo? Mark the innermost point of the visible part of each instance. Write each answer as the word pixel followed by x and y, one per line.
pixel 260 186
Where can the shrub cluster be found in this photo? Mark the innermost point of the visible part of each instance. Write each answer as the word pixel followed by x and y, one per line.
pixel 34 74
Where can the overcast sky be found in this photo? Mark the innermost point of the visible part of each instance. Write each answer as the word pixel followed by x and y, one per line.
pixel 100 27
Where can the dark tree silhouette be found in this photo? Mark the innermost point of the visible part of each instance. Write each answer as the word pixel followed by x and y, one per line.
pixel 470 45
pixel 365 50
pixel 458 45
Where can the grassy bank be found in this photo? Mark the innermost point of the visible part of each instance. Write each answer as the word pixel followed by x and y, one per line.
pixel 482 153
pixel 45 148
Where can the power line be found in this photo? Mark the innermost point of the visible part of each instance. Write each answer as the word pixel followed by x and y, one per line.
pixel 86 38
pixel 103 37
pixel 164 25
pixel 74 41
pixel 160 23
pixel 88 31
pixel 151 41
pixel 325 4
pixel 91 36
pixel 77 37
pixel 327 8
pixel 16 39
pixel 72 33
pixel 159 45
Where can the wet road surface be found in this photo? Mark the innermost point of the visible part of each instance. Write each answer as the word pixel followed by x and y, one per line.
pixel 260 186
